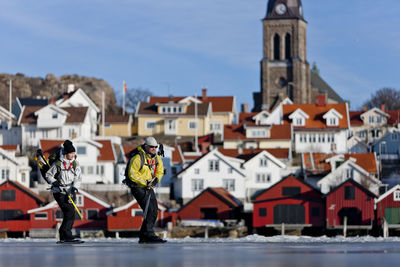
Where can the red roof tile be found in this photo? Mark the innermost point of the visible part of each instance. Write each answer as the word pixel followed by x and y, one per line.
pixel 365 160
pixel 246 116
pixel 315 114
pixel 226 196
pixel 394 116
pixel 106 152
pixel 355 118
pixel 9 147
pixel 177 156
pixel 50 146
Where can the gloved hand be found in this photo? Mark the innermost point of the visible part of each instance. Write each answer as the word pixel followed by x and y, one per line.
pixel 152 183
pixel 72 192
pixel 55 187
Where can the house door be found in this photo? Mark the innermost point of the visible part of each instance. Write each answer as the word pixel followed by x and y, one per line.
pixel 209 213
pixel 291 214
pixel 354 216
pixel 392 215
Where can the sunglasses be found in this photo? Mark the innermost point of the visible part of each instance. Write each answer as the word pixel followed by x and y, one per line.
pixel 153 146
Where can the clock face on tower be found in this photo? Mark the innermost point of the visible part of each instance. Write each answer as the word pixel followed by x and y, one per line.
pixel 280 9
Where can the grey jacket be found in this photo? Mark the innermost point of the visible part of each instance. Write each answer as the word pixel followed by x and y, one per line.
pixel 68 176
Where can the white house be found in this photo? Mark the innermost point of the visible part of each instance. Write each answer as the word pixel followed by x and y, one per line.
pixel 9 134
pixel 78 98
pixel 96 158
pixel 14 168
pixel 319 128
pixel 211 170
pixel 52 122
pixel 349 170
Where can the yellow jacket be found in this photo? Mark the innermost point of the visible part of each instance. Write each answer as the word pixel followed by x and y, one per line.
pixel 141 176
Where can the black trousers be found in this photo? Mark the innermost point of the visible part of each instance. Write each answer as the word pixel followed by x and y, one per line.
pixel 141 195
pixel 68 211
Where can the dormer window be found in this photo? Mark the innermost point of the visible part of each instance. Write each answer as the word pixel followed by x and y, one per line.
pixel 333 122
pixel 55 115
pixel 299 122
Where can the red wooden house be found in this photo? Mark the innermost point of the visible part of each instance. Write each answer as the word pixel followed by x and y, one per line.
pixel 388 207
pixel 130 216
pixel 290 201
pixel 15 201
pixel 212 203
pixel 351 200
pixel 92 209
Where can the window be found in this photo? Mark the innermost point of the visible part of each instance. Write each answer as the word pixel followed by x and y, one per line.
pixel 5 174
pixel 83 169
pixel 90 169
pixel 262 178
pixel 361 134
pixel 81 150
pixel 32 133
pixel 23 177
pixel 287 46
pixel 332 122
pixel 45 134
pixel 262 212
pixel 59 133
pixel 314 212
pixel 290 190
pixel 299 122
pixel 277 46
pixel 396 195
pixel 6 215
pixel 8 195
pixel 371 119
pixel 71 133
pixel 59 215
pixel 378 119
pixel 196 171
pixel 349 173
pixel 150 125
pixel 197 184
pixel 192 125
pixel 79 201
pixel 394 136
pixel 41 216
pixel 107 125
pixel 228 184
pixel 230 170
pixel 92 214
pixel 263 162
pixel 213 165
pixel 349 193
pixel 164 110
pixel 136 212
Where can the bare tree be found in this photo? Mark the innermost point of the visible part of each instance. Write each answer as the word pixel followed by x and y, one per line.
pixel 133 96
pixel 390 97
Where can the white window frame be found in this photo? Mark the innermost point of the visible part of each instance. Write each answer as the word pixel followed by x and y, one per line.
pixel 263 162
pixel 299 121
pixel 80 202
pixel 42 218
pixel 136 212
pixel 197 171
pixel 195 124
pixel 228 184
pixel 197 184
pixel 213 165
pixel 396 195
pixel 150 122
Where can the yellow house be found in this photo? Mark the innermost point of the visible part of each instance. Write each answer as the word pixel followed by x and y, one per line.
pixel 185 116
pixel 116 125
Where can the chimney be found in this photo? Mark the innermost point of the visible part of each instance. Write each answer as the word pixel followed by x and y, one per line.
pixel 321 100
pixel 365 108
pixel 70 88
pixel 245 108
pixel 52 101
pixel 204 93
pixel 383 107
pixel 65 96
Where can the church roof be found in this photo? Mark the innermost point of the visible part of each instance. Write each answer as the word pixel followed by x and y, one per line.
pixel 323 87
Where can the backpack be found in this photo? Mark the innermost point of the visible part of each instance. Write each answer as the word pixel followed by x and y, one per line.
pixel 133 153
pixel 45 164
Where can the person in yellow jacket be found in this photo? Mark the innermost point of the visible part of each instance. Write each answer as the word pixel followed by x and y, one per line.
pixel 145 172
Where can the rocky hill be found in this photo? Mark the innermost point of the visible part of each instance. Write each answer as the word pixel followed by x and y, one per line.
pixel 53 87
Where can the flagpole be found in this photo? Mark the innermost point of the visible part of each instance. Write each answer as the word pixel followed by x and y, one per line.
pixel 197 124
pixel 123 97
pixel 10 104
pixel 103 113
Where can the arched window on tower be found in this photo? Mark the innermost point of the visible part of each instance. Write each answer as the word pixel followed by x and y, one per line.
pixel 277 47
pixel 288 46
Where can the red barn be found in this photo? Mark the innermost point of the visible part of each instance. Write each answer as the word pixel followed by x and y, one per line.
pixel 130 216
pixel 212 203
pixel 290 201
pixel 92 209
pixel 388 207
pixel 15 201
pixel 351 200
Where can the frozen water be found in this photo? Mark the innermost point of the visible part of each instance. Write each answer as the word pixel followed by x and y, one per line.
pixel 248 251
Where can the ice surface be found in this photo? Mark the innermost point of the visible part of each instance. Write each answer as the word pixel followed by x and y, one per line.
pixel 253 250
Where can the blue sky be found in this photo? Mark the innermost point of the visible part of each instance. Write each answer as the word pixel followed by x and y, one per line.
pixel 179 46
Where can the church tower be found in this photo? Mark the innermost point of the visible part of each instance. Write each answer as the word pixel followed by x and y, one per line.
pixel 285 71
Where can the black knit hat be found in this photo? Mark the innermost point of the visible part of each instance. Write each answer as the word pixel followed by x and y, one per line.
pixel 68 147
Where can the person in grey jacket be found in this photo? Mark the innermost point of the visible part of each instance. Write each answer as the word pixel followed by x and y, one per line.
pixel 65 177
